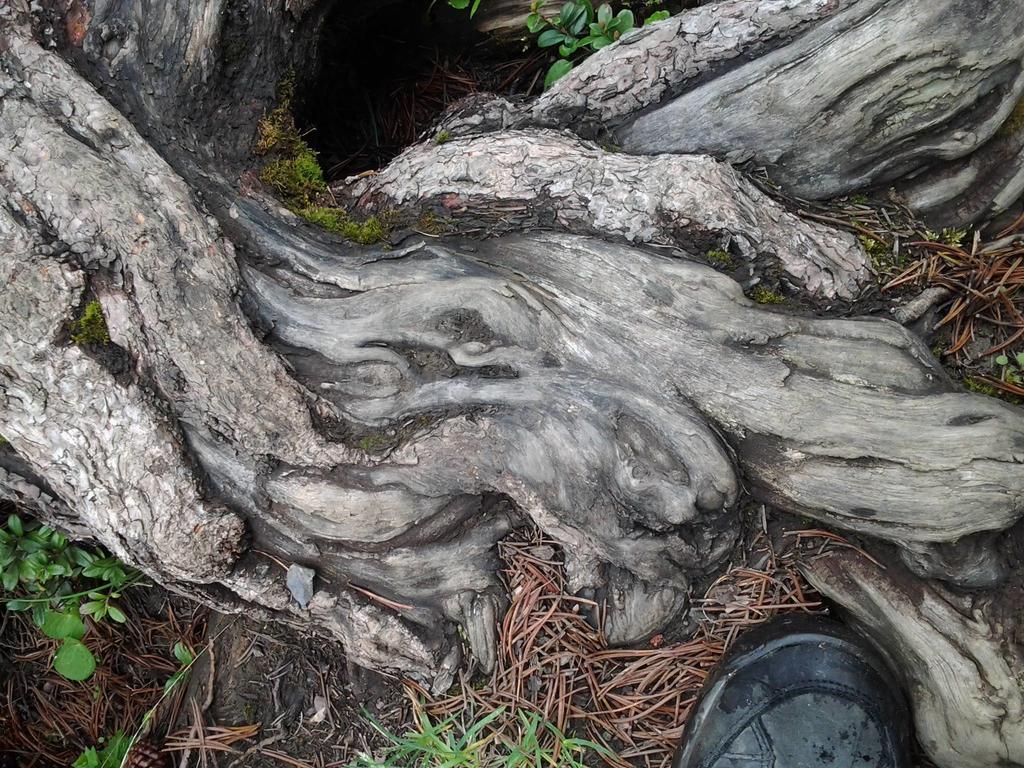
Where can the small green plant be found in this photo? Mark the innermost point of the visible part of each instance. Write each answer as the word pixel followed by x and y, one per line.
pixel 1013 368
pixel 461 5
pixel 764 295
pixel 111 753
pixel 578 30
pixel 186 658
pixel 448 745
pixel 43 573
pixel 442 137
pixel 91 326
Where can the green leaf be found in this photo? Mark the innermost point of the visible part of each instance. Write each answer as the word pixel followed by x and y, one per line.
pixel 60 625
pixel 604 14
pixel 18 605
pixel 1002 360
pixel 114 753
pixel 90 608
pixel 459 4
pixel 10 577
pixel 111 756
pixel 601 42
pixel 74 661
pixel 579 22
pixel 625 20
pixel 472 11
pixel 557 70
pixel 1020 359
pixel 656 17
pixel 565 51
pixel 116 614
pixel 183 653
pixel 535 23
pixel 550 37
pixel 88 759
pixel 81 557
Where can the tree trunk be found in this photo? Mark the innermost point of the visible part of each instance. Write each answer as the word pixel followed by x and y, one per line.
pixel 384 415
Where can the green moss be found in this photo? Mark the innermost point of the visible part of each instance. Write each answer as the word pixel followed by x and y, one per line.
pixel 860 199
pixel 331 219
pixel 720 258
pixel 368 231
pixel 277 129
pixel 764 295
pixel 880 254
pixel 429 224
pixel 293 173
pixel 91 326
pixel 375 443
pixel 297 180
pixel 442 137
pixel 981 387
pixel 3 441
pixel 1014 123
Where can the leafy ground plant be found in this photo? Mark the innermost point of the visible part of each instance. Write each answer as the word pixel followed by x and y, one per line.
pixel 60 583
pixel 578 30
pixel 450 744
pixel 113 752
pixel 1013 368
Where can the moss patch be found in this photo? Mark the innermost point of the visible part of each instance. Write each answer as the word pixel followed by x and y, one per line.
pixel 430 224
pixel 1014 123
pixel 883 261
pixel 90 327
pixel 370 230
pixel 984 388
pixel 293 172
pixel 764 295
pixel 720 258
pixel 297 180
pixel 442 137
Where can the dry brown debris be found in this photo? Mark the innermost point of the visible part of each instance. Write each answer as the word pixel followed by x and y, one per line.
pixel 633 701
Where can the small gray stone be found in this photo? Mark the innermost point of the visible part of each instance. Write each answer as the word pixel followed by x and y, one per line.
pixel 300 583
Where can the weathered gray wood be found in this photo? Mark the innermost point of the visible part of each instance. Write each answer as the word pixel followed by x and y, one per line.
pixel 385 415
pixel 831 96
pixel 691 201
pixel 965 679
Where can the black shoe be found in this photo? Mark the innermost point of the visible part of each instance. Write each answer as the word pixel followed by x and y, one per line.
pixel 798 692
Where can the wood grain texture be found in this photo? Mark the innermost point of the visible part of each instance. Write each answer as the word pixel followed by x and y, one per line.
pixel 694 202
pixel 385 415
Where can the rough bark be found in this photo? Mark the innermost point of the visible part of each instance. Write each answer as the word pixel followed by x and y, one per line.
pixel 963 676
pixel 385 415
pixel 690 201
pixel 832 96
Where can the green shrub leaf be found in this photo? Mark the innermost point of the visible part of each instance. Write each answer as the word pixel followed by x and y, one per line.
pixel 558 70
pixel 74 661
pixel 550 37
pixel 60 625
